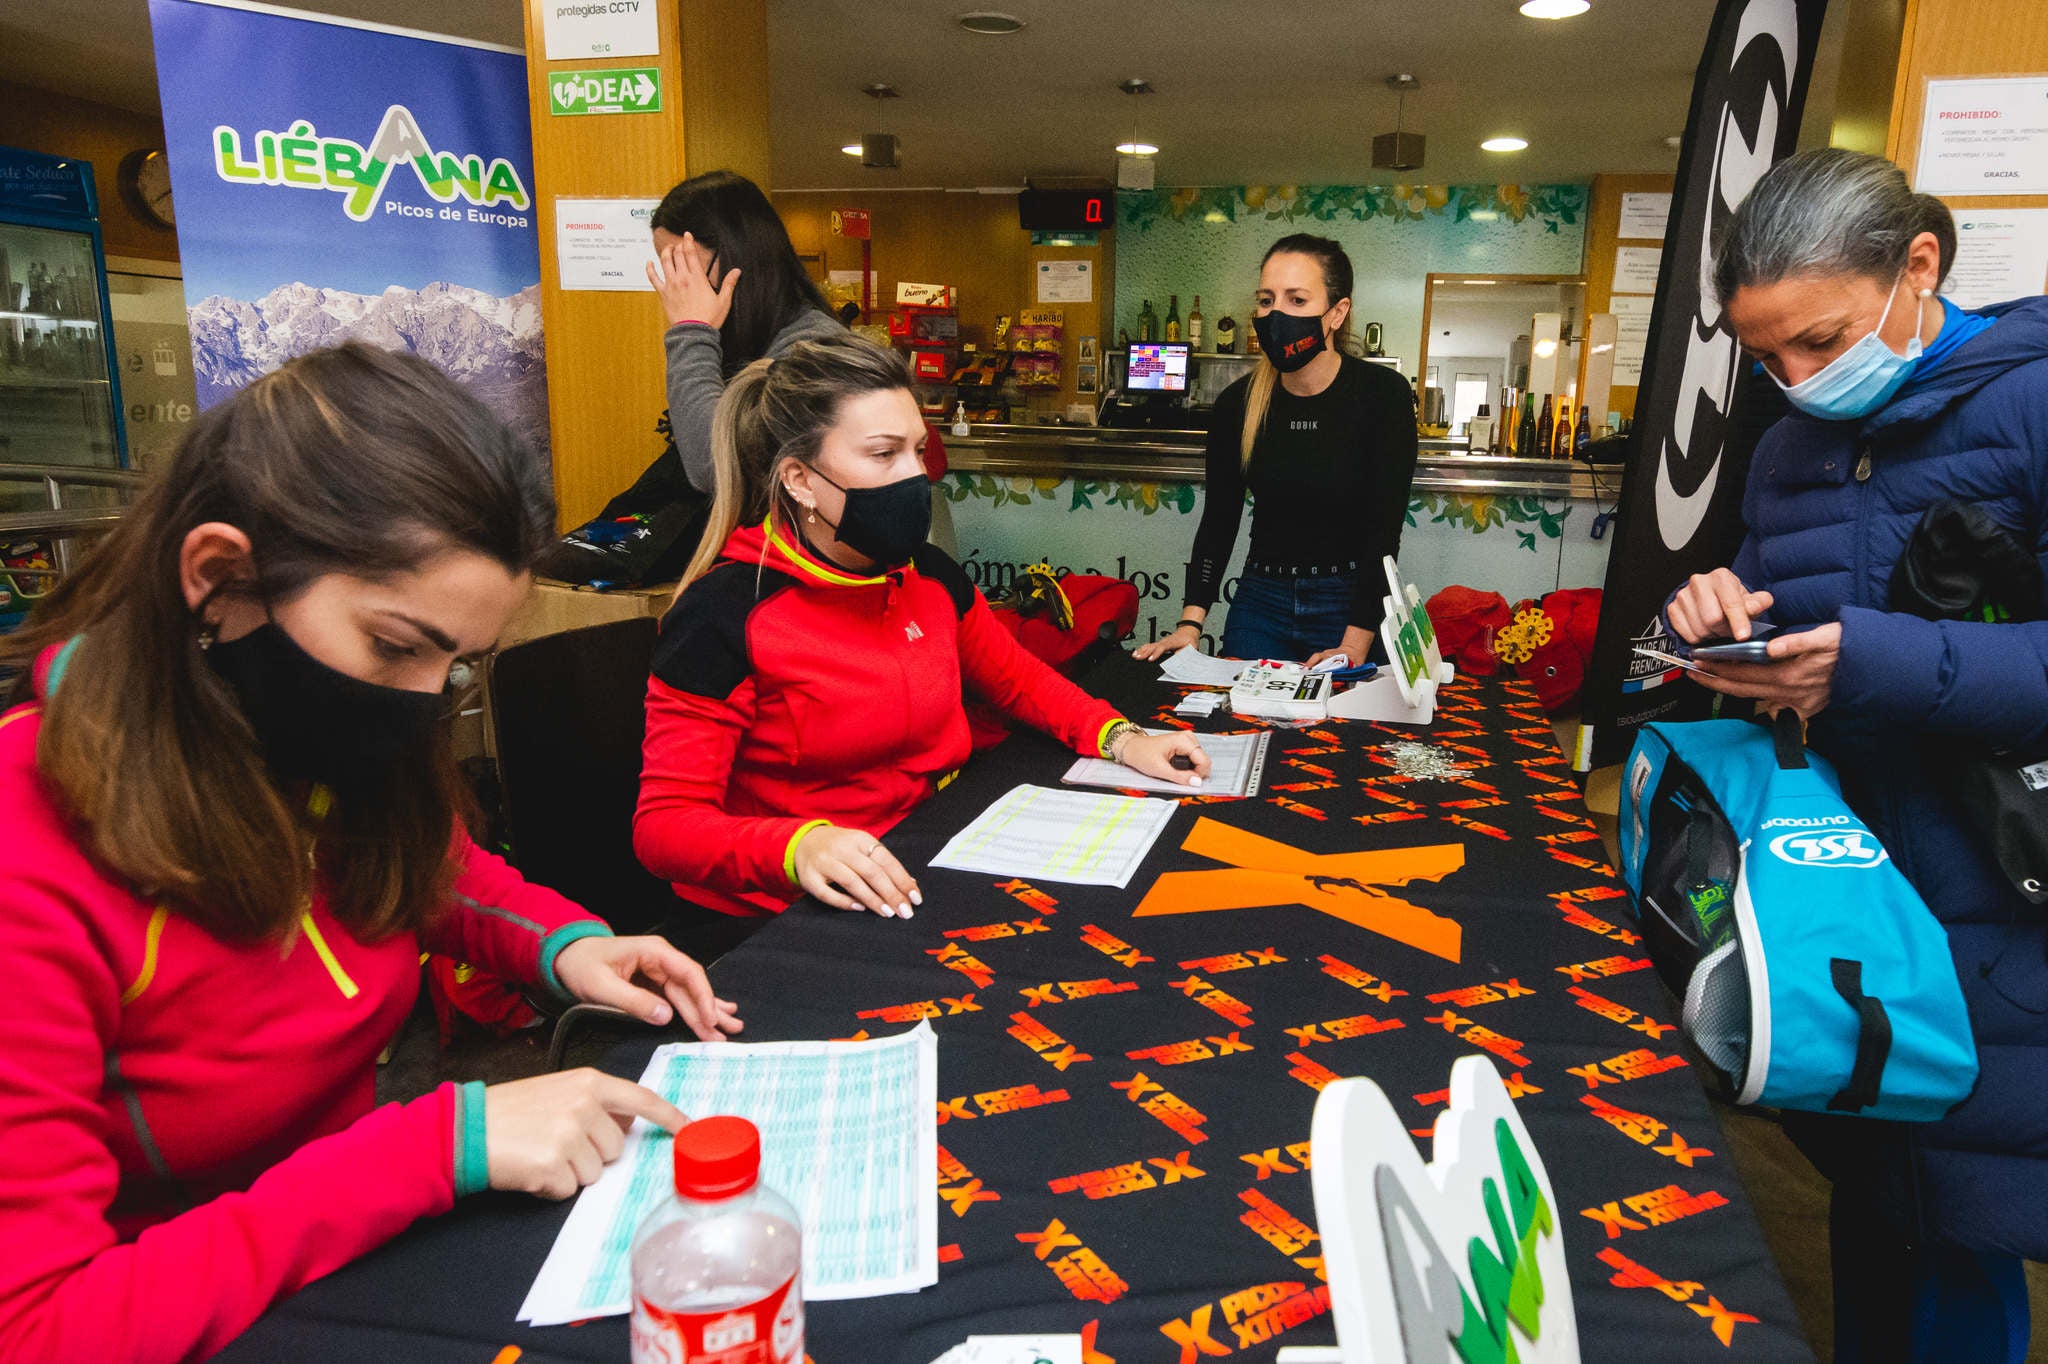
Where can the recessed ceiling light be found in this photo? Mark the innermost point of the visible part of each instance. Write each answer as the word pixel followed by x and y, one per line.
pixel 989 22
pixel 1136 85
pixel 1555 9
pixel 851 149
pixel 1483 215
pixel 1137 149
pixel 1503 144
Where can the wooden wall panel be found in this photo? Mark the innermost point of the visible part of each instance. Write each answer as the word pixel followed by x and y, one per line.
pixel 41 121
pixel 1947 38
pixel 605 368
pixel 1603 228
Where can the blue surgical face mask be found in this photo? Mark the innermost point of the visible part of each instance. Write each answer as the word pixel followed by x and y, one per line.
pixel 1861 379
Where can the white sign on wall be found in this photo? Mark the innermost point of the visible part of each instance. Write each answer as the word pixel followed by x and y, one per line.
pixel 1635 269
pixel 1643 216
pixel 1631 336
pixel 2001 254
pixel 1984 137
pixel 604 243
pixel 578 29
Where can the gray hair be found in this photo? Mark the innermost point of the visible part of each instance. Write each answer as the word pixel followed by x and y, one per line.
pixel 1828 212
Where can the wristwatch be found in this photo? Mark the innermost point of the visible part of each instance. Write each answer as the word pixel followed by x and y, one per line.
pixel 1114 733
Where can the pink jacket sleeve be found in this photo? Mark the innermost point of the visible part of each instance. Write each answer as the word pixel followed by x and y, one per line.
pixel 185 1287
pixel 680 829
pixel 504 923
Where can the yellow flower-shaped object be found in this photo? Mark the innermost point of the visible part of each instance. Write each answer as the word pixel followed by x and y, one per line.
pixel 1521 637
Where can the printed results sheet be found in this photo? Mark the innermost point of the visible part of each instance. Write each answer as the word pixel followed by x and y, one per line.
pixel 848 1135
pixel 1080 837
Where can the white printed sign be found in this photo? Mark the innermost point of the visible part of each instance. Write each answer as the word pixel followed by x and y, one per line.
pixel 1984 137
pixel 1065 281
pixel 1635 269
pixel 578 29
pixel 1643 216
pixel 2000 255
pixel 604 244
pixel 1631 336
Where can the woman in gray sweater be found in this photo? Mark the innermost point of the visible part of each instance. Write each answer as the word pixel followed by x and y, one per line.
pixel 733 291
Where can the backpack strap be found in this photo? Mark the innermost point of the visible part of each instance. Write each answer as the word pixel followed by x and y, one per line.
pixel 1788 734
pixel 1873 1039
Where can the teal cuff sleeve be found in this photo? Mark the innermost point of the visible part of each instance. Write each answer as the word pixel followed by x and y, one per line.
pixel 551 947
pixel 472 1154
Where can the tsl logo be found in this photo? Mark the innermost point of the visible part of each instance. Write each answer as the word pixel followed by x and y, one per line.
pixel 302 159
pixel 1847 848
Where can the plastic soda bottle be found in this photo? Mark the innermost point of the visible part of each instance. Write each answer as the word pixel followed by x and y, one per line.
pixel 717 1270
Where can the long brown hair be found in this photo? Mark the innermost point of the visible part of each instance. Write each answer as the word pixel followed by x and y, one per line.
pixel 352 460
pixel 779 407
pixel 1335 264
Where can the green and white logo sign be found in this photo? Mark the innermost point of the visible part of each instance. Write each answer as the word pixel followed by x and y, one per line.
pixel 615 90
pixel 304 159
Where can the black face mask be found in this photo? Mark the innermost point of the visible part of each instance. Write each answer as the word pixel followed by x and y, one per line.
pixel 888 523
pixel 1289 339
pixel 317 724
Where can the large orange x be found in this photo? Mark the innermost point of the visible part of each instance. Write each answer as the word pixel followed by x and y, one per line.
pixel 1265 872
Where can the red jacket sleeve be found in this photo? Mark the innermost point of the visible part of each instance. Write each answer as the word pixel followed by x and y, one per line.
pixel 69 1289
pixel 1024 686
pixel 681 830
pixel 504 923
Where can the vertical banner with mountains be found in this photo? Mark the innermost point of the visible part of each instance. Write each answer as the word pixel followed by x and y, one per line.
pixel 342 182
pixel 1697 418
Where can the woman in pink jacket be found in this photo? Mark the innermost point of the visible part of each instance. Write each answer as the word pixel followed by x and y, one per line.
pixel 232 824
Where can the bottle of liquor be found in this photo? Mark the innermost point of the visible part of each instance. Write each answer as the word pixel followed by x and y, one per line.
pixel 1582 435
pixel 1541 448
pixel 1525 436
pixel 1251 337
pixel 1172 319
pixel 1195 324
pixel 1561 448
pixel 1148 324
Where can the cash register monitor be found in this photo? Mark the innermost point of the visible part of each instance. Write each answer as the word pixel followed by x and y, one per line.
pixel 1157 368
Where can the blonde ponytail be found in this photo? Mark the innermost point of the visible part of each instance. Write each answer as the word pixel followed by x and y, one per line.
pixel 735 426
pixel 1257 399
pixel 781 407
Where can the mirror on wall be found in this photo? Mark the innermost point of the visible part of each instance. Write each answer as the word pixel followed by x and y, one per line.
pixel 1475 337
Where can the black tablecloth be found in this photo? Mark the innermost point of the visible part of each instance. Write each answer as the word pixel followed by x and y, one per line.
pixel 1169 1217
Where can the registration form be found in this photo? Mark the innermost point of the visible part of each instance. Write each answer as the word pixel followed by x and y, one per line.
pixel 1080 837
pixel 848 1135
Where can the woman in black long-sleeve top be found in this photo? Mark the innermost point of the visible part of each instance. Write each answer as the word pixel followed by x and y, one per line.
pixel 1325 443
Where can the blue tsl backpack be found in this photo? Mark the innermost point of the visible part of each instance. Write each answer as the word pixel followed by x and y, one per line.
pixel 1813 976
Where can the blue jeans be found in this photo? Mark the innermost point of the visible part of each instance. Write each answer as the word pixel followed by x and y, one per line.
pixel 1278 617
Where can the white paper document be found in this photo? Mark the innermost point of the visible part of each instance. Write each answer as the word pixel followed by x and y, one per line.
pixel 1635 269
pixel 1193 668
pixel 848 1135
pixel 2001 254
pixel 1984 135
pixel 1236 763
pixel 1043 834
pixel 603 244
pixel 1014 1350
pixel 1643 216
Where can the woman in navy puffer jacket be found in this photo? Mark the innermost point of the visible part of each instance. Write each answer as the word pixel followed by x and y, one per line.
pixel 1903 401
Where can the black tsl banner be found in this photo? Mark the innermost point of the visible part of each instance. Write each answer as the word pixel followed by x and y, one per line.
pixel 1697 417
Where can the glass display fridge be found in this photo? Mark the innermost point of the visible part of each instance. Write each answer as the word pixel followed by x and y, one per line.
pixel 60 400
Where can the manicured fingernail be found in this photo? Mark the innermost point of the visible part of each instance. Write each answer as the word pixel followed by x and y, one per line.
pixel 660 1014
pixel 904 910
pixel 916 899
pixel 1194 781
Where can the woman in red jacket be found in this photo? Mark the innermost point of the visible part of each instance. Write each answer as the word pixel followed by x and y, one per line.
pixel 231 828
pixel 807 685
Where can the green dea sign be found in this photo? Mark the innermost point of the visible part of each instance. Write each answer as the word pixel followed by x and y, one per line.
pixel 614 90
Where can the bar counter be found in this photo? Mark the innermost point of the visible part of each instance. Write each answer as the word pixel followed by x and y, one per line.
pixel 1106 453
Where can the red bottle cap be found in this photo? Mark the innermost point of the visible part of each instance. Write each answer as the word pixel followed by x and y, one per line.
pixel 717 1158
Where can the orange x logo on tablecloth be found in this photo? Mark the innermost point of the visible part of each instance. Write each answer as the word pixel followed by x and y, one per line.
pixel 1264 872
